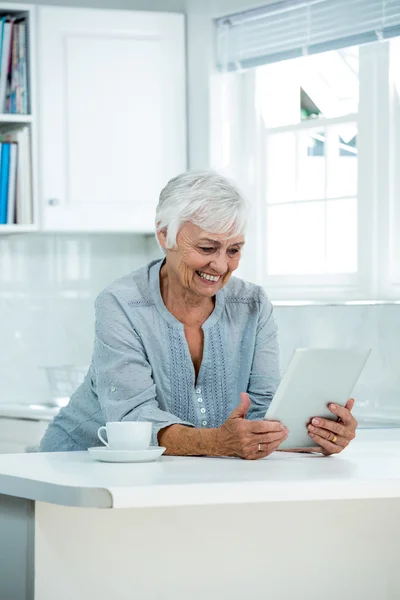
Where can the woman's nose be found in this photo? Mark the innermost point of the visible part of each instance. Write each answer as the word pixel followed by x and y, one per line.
pixel 220 264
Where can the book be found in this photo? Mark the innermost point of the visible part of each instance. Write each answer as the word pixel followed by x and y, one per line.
pixel 5 61
pixel 2 21
pixel 23 206
pixel 23 69
pixel 12 184
pixel 4 166
pixel 24 211
pixel 13 82
pixel 1 207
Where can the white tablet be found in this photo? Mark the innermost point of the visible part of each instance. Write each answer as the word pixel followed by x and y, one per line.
pixel 314 378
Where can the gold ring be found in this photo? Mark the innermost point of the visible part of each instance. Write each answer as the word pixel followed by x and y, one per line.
pixel 334 439
pixel 259 446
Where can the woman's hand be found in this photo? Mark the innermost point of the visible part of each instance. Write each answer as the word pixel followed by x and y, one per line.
pixel 334 436
pixel 248 439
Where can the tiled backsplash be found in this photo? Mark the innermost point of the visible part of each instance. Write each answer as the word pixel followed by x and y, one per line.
pixel 48 284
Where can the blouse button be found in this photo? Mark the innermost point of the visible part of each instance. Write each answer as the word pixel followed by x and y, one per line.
pixel 198 391
pixel 203 410
pixel 199 399
pixel 204 423
pixel 113 389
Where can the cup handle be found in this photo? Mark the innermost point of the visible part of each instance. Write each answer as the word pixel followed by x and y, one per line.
pixel 100 437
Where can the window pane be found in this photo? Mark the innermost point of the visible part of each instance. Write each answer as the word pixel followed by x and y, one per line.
pixel 311 165
pixel 329 83
pixel 320 85
pixel 296 239
pixel 281 167
pixel 341 236
pixel 278 93
pixel 342 160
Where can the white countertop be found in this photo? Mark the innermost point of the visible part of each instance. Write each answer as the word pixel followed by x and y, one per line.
pixel 368 469
pixel 31 412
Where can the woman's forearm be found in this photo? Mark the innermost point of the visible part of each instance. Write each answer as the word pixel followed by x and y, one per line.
pixel 180 440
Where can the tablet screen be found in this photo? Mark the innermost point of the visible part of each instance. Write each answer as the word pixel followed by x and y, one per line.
pixel 314 378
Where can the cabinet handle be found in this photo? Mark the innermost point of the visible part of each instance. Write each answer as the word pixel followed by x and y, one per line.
pixel 53 201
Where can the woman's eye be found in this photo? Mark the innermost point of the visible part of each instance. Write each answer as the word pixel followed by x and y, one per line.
pixel 234 251
pixel 204 249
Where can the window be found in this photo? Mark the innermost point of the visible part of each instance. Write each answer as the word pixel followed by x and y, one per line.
pixel 309 109
pixel 315 140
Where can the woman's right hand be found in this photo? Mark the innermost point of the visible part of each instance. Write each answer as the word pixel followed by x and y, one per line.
pixel 248 439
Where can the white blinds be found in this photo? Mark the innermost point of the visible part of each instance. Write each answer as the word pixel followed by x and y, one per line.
pixel 290 28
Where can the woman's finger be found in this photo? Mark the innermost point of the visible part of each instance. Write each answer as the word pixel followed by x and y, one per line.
pixel 265 444
pixel 267 449
pixel 329 436
pixel 329 447
pixel 264 426
pixel 342 412
pixel 333 426
pixel 268 438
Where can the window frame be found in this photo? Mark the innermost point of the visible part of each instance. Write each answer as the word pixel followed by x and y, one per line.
pixel 284 283
pixel 378 185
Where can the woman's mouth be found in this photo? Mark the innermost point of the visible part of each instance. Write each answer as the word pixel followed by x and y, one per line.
pixel 207 278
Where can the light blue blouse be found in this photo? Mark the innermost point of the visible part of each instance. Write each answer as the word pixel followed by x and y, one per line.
pixel 141 368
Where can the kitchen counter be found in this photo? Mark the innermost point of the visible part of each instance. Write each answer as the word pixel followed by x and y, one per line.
pixel 202 527
pixel 22 426
pixel 31 412
pixel 367 469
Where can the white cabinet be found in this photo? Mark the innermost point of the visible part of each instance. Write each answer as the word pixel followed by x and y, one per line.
pixel 20 435
pixel 112 115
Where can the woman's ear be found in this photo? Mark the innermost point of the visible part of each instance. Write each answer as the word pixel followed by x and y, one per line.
pixel 162 238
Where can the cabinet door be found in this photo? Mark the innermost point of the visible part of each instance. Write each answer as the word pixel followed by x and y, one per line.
pixel 112 115
pixel 17 435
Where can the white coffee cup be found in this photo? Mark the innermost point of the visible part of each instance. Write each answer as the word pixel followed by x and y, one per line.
pixel 129 435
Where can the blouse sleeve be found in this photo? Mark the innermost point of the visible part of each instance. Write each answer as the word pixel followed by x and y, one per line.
pixel 265 372
pixel 123 374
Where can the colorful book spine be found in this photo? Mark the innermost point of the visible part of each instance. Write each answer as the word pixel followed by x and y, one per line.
pixel 23 70
pixel 3 210
pixel 4 176
pixel 2 21
pixel 12 184
pixel 11 104
pixel 5 62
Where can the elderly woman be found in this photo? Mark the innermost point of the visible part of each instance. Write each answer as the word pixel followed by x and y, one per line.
pixel 183 344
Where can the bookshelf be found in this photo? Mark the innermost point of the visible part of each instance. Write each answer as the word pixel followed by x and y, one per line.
pixel 18 120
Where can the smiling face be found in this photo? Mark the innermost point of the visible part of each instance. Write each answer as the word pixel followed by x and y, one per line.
pixel 202 262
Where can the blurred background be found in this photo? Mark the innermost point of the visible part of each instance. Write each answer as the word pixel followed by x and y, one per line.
pixel 102 101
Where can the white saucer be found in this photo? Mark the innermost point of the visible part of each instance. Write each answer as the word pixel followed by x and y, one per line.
pixel 118 456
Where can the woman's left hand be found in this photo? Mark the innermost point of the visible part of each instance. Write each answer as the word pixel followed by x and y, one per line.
pixel 334 436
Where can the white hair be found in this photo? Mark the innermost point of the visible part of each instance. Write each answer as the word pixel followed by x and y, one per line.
pixel 204 198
